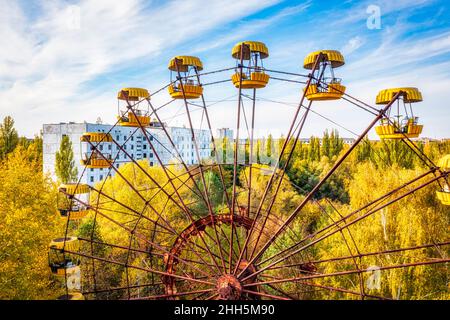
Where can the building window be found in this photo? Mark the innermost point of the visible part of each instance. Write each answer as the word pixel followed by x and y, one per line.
pixel 145 146
pixel 117 138
pixel 117 166
pixel 145 155
pixel 132 147
pixel 151 155
pixel 151 163
pixel 92 169
pixel 124 147
pixel 132 138
pixel 101 177
pixel 124 138
pixel 151 138
pixel 109 147
pixel 92 179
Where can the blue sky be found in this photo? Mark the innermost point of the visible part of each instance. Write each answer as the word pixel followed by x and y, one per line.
pixel 65 60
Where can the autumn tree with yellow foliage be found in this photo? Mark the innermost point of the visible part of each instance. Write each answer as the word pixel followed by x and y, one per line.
pixel 28 222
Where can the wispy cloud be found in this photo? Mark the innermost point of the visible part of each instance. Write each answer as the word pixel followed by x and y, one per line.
pixel 51 70
pixel 353 44
pixel 244 28
pixel 46 61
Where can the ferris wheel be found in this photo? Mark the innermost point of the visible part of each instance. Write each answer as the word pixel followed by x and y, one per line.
pixel 219 229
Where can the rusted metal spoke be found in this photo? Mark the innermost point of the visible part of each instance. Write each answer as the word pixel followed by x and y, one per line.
pixel 178 294
pixel 345 226
pixel 330 288
pixel 173 186
pixel 214 145
pixel 341 273
pixel 280 157
pixel 266 295
pixel 235 152
pixel 141 268
pixel 366 206
pixel 323 180
pixel 153 244
pixel 194 141
pixel 362 255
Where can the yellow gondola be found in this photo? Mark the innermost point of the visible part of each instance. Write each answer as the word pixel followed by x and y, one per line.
pixel 443 195
pixel 67 206
pixel 253 73
pixel 330 87
pixel 133 114
pixel 184 70
pixel 61 256
pixel 393 127
pixel 96 150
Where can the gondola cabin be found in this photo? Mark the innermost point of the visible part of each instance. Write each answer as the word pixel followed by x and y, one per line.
pixel 324 85
pixel 133 107
pixel 400 121
pixel 73 200
pixel 443 194
pixel 62 255
pixel 184 78
pixel 252 54
pixel 96 150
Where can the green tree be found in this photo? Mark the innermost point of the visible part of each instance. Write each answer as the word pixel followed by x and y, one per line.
pixel 326 145
pixel 364 150
pixel 258 153
pixel 8 136
pixel 336 143
pixel 65 165
pixel 247 150
pixel 269 150
pixel 314 149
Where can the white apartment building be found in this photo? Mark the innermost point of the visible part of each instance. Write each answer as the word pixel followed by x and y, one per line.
pixel 131 139
pixel 182 138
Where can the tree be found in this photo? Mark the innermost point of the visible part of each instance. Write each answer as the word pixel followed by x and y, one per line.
pixel 8 136
pixel 65 165
pixel 269 146
pixel 247 150
pixel 28 222
pixel 414 220
pixel 314 149
pixel 258 152
pixel 326 145
pixel 336 143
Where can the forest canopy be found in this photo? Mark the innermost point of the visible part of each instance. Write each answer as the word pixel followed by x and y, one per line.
pixel 29 219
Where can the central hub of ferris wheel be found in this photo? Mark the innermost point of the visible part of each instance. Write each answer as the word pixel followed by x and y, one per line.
pixel 229 287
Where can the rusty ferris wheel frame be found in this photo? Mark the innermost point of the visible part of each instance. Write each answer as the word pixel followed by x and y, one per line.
pixel 223 255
